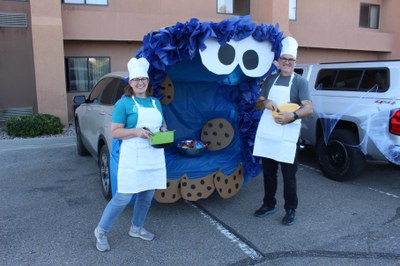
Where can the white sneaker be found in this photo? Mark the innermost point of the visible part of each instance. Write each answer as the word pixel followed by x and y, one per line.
pixel 102 242
pixel 141 232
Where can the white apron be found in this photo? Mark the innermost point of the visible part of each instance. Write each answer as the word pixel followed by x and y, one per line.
pixel 276 141
pixel 141 167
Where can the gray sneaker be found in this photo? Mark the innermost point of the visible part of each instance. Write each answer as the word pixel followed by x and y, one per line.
pixel 141 232
pixel 102 242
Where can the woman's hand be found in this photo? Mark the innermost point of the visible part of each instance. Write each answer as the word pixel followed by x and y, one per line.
pixel 164 128
pixel 144 133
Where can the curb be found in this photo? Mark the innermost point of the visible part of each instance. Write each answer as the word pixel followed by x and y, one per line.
pixel 10 144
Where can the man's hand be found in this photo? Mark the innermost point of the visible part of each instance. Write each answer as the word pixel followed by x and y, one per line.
pixel 262 104
pixel 283 118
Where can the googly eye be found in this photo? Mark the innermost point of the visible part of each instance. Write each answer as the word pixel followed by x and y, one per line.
pixel 219 59
pixel 255 58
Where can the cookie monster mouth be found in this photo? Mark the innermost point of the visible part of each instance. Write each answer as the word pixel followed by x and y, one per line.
pixel 198 110
pixel 207 77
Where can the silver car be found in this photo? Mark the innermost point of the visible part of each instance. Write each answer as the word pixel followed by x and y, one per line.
pixel 93 123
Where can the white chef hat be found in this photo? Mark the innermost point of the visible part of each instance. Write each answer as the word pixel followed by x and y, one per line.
pixel 138 68
pixel 289 46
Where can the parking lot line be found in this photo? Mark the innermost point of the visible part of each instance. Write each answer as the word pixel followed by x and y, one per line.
pixel 383 192
pixel 228 233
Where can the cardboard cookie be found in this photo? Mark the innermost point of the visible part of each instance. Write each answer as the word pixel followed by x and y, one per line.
pixel 199 188
pixel 171 194
pixel 167 88
pixel 218 132
pixel 229 185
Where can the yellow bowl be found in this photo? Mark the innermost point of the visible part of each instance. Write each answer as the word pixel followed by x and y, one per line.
pixel 286 107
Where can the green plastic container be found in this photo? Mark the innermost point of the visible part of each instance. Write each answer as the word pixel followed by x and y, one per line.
pixel 160 138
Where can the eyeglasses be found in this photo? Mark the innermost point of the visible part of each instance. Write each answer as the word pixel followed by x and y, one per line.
pixel 289 60
pixel 137 80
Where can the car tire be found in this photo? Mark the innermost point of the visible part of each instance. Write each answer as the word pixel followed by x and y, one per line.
pixel 80 147
pixel 339 159
pixel 104 166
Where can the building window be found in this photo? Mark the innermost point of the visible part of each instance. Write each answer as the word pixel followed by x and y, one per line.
pixel 292 9
pixel 83 72
pixel 233 7
pixel 87 2
pixel 369 16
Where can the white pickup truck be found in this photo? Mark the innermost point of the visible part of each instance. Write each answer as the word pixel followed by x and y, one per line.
pixel 356 115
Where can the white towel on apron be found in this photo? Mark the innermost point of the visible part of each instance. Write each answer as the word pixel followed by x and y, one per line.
pixel 276 141
pixel 142 167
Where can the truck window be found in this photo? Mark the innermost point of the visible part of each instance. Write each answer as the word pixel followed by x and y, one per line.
pixel 355 79
pixel 325 79
pixel 348 79
pixel 376 80
pixel 299 71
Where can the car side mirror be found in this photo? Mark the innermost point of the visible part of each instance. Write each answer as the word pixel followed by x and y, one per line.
pixel 79 99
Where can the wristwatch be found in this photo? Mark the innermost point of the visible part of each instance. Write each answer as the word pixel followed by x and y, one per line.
pixel 295 116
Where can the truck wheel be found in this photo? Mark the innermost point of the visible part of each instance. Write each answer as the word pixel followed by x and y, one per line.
pixel 340 159
pixel 104 165
pixel 80 147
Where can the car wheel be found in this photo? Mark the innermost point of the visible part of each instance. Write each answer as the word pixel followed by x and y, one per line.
pixel 82 151
pixel 340 159
pixel 104 165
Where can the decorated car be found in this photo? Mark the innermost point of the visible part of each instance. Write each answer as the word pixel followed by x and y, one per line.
pixel 207 76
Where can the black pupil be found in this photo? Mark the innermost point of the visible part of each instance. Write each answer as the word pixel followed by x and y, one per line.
pixel 250 59
pixel 226 54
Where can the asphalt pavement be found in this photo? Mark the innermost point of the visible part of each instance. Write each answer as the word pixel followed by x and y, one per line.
pixel 51 203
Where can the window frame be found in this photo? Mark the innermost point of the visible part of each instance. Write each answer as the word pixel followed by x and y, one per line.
pixel 293 7
pixel 85 3
pixel 234 12
pixel 90 85
pixel 368 26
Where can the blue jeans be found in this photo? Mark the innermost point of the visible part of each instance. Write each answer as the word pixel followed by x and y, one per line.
pixel 118 204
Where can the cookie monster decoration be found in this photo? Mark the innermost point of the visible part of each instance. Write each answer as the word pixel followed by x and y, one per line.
pixel 207 76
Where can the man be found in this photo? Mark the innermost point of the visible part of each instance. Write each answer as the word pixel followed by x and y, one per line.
pixel 277 135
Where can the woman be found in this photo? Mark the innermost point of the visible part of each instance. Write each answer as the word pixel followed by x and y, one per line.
pixel 141 168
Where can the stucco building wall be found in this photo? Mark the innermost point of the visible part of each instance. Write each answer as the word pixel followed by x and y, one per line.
pixel 17 73
pixel 32 59
pixel 48 53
